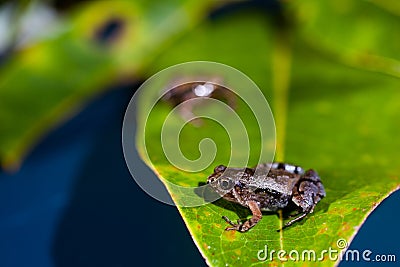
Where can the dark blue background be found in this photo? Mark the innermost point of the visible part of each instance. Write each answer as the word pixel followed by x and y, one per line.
pixel 74 203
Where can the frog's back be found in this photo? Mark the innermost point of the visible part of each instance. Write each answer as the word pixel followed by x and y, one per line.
pixel 274 180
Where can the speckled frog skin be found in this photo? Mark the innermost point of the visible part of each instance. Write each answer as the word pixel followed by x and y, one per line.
pixel 268 187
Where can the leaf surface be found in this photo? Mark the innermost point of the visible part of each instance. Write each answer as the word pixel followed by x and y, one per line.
pixel 340 121
pixel 362 34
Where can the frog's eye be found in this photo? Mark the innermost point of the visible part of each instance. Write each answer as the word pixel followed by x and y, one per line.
pixel 225 183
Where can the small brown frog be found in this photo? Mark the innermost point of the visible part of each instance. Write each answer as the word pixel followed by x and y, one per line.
pixel 268 187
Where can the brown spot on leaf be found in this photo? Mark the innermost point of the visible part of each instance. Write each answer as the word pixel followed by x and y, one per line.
pixel 367 194
pixel 344 229
pixel 323 230
pixel 339 211
pixel 230 235
pixel 238 252
pixel 345 226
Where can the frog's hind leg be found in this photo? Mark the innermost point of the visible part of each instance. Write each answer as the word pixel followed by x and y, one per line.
pixel 300 217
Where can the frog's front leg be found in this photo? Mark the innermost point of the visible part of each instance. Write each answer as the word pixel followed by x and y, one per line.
pixel 244 227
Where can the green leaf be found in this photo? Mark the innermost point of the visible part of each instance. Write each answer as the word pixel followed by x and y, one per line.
pixel 47 82
pixel 340 121
pixel 342 124
pixel 363 34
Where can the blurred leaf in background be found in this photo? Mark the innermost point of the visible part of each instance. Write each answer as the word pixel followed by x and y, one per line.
pixel 91 47
pixel 363 34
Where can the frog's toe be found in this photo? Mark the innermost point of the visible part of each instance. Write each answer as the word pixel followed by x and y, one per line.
pixel 229 221
pixel 235 226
